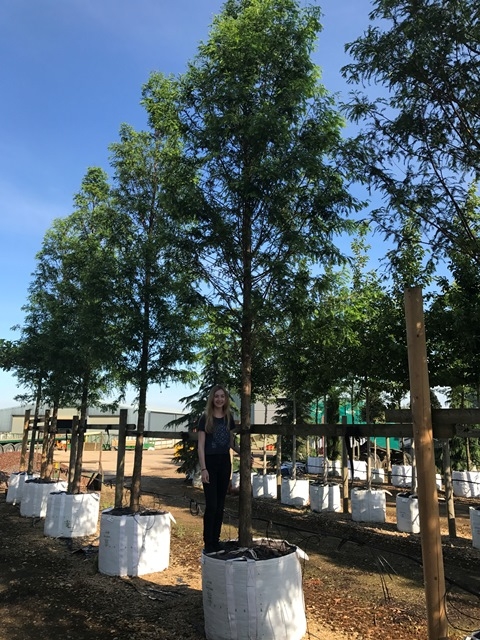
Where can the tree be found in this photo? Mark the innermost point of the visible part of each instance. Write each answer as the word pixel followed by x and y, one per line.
pixel 421 137
pixel 265 137
pixel 454 339
pixel 155 305
pixel 71 294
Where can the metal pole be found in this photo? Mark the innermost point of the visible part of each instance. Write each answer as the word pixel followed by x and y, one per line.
pixel 433 570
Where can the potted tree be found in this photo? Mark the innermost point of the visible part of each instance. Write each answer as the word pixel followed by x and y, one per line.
pixel 268 195
pixel 154 310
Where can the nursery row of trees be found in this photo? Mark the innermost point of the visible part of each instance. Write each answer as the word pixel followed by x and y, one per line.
pixel 214 245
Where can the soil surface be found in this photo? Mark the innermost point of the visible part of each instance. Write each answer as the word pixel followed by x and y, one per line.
pixel 362 581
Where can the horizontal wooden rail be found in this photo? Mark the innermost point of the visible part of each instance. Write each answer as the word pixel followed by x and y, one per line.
pixel 439 416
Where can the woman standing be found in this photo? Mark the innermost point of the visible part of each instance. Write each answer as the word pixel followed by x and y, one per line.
pixel 215 439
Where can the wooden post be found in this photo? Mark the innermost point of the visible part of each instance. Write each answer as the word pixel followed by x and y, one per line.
pixel 447 478
pixel 73 453
pixel 23 454
pixel 33 440
pixel 346 496
pixel 122 437
pixel 433 570
pixel 279 467
pixel 46 436
pixel 389 461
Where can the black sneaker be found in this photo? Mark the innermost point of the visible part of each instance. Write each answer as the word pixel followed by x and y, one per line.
pixel 210 548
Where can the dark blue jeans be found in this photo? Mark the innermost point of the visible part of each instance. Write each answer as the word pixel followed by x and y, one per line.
pixel 219 467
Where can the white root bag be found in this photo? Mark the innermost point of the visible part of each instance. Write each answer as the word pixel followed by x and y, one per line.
pixel 253 600
pixel 35 497
pixel 295 492
pixel 315 465
pixel 319 497
pixel 368 505
pixel 235 480
pixel 71 515
pixel 264 486
pixel 16 483
pixel 408 516
pixel 475 526
pixel 401 475
pixel 134 544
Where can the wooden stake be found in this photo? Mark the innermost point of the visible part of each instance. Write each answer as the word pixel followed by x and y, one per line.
pixel 447 478
pixel 120 475
pixel 433 570
pixel 345 475
pixel 23 454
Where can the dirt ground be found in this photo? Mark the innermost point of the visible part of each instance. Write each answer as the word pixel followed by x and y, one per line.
pixel 362 581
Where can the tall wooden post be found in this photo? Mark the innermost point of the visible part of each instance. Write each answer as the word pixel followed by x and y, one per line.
pixel 433 570
pixel 389 461
pixel 279 467
pixel 447 478
pixel 345 483
pixel 46 436
pixel 23 454
pixel 120 476
pixel 73 453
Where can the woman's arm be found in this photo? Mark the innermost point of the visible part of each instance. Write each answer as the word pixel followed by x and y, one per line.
pixel 201 455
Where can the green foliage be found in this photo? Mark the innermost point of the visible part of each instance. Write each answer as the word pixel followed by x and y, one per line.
pixel 270 188
pixel 453 335
pixel 186 456
pixel 421 134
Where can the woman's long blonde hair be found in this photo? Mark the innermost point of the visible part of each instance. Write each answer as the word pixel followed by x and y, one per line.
pixel 209 407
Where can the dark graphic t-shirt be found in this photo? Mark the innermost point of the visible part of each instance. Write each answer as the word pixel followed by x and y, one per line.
pixel 218 441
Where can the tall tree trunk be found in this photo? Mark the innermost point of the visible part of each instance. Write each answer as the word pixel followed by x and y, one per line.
pixel 294 440
pixel 369 442
pixel 142 409
pixel 36 415
pixel 51 441
pixel 73 453
pixel 245 498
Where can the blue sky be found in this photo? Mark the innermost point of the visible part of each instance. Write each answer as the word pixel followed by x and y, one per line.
pixel 71 73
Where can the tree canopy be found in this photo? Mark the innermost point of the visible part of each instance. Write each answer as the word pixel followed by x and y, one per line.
pixel 421 132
